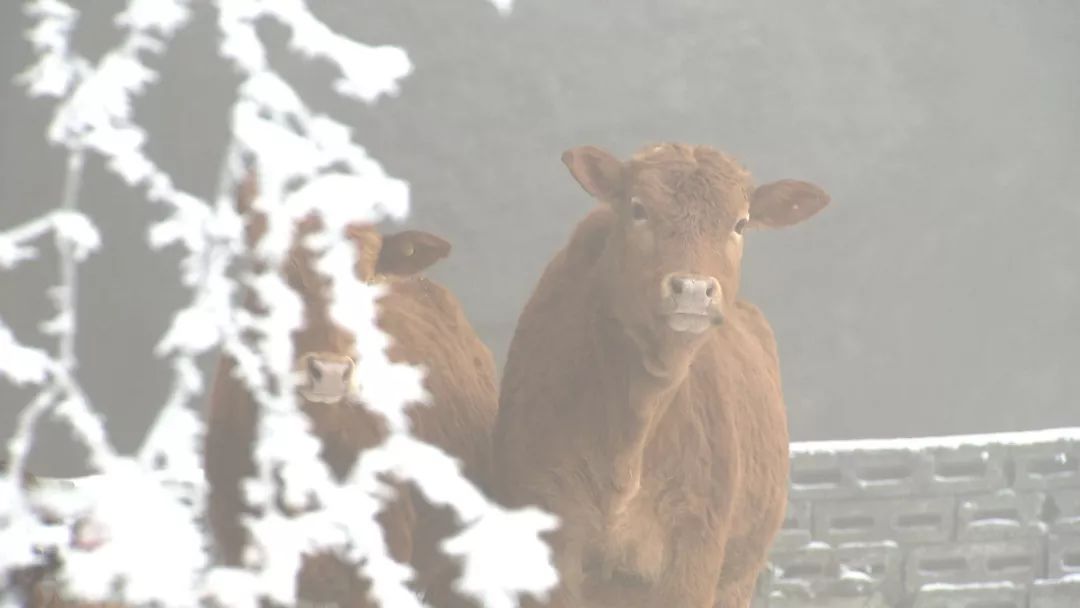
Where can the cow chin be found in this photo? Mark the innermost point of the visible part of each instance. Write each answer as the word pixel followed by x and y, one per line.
pixel 667 345
pixel 691 324
pixel 317 398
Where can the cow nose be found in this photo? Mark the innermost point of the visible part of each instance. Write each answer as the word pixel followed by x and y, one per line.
pixel 692 294
pixel 325 377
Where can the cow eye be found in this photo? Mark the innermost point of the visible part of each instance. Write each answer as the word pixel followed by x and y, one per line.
pixel 740 225
pixel 637 210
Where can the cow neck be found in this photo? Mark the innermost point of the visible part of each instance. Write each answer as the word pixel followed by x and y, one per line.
pixel 635 400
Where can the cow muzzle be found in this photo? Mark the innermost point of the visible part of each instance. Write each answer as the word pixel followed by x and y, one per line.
pixel 325 377
pixel 691 303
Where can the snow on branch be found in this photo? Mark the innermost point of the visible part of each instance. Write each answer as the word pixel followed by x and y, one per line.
pixel 307 163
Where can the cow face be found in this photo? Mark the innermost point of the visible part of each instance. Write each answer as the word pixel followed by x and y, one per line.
pixel 324 369
pixel 671 264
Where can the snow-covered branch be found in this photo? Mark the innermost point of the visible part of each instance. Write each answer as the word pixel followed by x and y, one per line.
pixel 307 163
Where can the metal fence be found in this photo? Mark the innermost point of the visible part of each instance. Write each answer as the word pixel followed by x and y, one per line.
pixel 980 521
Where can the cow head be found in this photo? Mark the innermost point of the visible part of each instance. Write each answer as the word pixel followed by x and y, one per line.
pixel 670 266
pixel 324 368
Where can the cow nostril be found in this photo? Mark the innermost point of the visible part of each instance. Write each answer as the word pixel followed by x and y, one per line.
pixel 710 291
pixel 313 369
pixel 676 285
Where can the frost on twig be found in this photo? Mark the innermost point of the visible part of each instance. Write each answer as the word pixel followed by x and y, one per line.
pixel 307 163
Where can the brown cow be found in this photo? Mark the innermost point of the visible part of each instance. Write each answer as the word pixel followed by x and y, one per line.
pixel 427 327
pixel 641 399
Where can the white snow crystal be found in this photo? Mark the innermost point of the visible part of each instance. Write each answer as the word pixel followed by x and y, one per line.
pixel 78 232
pixel 150 543
pixel 503 6
pixel 12 253
pixel 193 330
pixel 165 16
pixel 946 442
pixel 22 364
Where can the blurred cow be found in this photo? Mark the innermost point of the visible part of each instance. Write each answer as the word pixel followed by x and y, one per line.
pixel 641 399
pixel 427 327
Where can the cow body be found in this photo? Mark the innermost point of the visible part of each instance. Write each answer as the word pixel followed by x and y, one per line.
pixel 641 400
pixel 427 327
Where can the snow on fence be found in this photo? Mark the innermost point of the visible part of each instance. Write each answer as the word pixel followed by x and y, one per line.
pixel 306 162
pixel 969 521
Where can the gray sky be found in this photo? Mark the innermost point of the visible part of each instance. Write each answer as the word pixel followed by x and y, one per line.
pixel 939 293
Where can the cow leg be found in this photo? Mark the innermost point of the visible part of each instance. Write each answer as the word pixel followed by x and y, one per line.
pixel 736 595
pixel 437 572
pixel 559 598
pixel 690 581
pixel 325 579
pixel 398 521
pixel 227 460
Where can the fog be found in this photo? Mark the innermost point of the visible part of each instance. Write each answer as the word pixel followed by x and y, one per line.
pixel 939 293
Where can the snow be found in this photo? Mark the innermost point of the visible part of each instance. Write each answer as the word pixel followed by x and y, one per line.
pixel 958 587
pixel 366 72
pixel 56 71
pixel 76 231
pixel 1070 434
pixel 12 253
pixel 503 6
pixel 65 498
pixel 148 540
pixel 21 364
pixel 165 16
pixel 493 574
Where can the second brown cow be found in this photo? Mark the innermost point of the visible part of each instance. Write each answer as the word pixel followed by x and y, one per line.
pixel 427 327
pixel 641 400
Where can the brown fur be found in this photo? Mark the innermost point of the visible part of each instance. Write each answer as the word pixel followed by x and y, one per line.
pixel 46 595
pixel 665 455
pixel 427 327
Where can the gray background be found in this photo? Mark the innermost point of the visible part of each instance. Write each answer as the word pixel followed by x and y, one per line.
pixel 940 293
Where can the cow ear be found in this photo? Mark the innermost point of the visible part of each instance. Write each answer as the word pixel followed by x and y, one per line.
pixel 784 203
pixel 410 252
pixel 598 172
